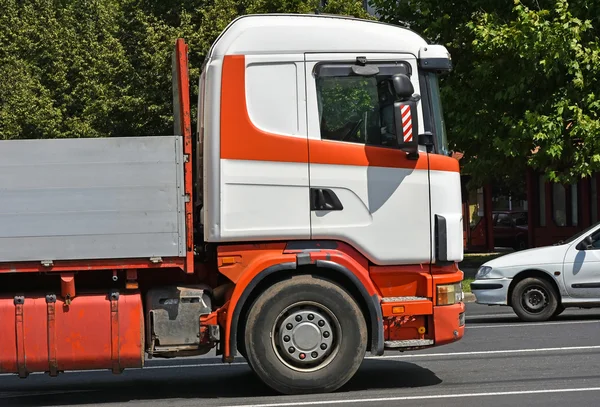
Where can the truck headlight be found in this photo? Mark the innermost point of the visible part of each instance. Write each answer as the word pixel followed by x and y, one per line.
pixel 449 294
pixel 483 271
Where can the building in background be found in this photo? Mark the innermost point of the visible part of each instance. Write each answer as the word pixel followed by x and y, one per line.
pixel 507 213
pixel 547 214
pixel 366 6
pixel 559 211
pixel 369 9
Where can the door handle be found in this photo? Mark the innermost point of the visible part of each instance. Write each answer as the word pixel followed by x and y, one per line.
pixel 323 199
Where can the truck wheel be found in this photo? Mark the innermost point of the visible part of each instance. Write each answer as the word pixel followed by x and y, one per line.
pixel 305 335
pixel 534 300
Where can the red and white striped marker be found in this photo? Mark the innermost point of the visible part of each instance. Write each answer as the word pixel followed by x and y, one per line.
pixel 406 122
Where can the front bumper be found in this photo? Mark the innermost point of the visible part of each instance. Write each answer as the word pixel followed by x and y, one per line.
pixel 491 291
pixel 449 322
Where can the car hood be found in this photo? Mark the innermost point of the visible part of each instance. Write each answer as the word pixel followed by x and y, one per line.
pixel 530 257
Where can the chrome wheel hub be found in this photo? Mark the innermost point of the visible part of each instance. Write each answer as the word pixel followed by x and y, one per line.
pixel 305 336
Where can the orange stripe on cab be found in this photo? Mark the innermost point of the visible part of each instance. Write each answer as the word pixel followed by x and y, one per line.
pixel 240 139
pixel 341 153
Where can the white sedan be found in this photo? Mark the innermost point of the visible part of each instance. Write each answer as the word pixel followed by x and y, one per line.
pixel 540 283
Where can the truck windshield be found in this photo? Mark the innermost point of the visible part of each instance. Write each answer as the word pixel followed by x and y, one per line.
pixel 438 113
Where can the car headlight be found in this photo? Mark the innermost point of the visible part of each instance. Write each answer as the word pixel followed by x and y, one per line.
pixel 449 294
pixel 483 271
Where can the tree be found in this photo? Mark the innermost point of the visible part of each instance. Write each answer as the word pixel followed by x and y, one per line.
pixel 524 91
pixel 90 68
pixel 64 72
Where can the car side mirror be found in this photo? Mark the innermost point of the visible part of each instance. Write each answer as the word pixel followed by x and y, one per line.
pixel 585 243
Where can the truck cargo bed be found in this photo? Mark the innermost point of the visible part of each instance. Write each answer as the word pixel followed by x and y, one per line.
pixel 103 198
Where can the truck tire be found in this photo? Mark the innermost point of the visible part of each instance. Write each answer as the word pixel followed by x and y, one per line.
pixel 305 335
pixel 534 299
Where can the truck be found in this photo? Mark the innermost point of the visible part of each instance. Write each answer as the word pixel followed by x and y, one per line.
pixel 314 216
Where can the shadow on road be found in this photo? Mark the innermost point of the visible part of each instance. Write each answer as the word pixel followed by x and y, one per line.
pixel 189 383
pixel 389 374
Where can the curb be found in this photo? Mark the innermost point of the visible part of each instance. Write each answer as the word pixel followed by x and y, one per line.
pixel 469 297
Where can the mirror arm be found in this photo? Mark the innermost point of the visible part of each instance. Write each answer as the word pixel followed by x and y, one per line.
pixel 426 139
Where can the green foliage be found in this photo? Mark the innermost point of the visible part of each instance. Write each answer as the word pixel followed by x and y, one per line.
pixel 62 69
pixel 90 68
pixel 525 81
pixel 466 284
pixel 525 78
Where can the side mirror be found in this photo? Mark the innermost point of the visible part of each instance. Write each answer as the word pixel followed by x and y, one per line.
pixel 403 86
pixel 405 114
pixel 406 125
pixel 585 243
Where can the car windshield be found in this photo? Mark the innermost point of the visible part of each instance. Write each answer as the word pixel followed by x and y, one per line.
pixel 578 235
pixel 438 114
pixel 520 219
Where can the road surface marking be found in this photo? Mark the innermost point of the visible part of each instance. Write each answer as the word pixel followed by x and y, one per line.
pixel 409 356
pixel 489 352
pixel 573 313
pixel 9 395
pixel 476 316
pixel 427 397
pixel 518 324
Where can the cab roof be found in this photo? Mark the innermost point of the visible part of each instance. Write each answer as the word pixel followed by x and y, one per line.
pixel 300 33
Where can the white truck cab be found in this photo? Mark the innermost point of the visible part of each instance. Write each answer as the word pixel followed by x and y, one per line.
pixel 298 138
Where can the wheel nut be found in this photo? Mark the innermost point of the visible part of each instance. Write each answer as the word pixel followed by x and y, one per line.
pixel 289 327
pixel 291 349
pixel 302 356
pixel 314 355
pixel 321 323
pixel 298 318
pixel 311 317
pixel 325 334
pixel 286 338
pixel 323 346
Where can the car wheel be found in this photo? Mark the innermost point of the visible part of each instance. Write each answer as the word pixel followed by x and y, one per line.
pixel 521 244
pixel 534 300
pixel 305 335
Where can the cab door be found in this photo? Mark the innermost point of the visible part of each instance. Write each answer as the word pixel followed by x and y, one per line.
pixel 363 189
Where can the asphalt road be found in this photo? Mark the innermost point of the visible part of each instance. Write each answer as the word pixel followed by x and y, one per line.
pixel 499 362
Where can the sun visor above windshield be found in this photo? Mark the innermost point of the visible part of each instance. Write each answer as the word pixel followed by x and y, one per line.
pixel 435 58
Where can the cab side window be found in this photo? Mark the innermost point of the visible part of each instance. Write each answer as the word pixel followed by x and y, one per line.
pixel 348 107
pixel 357 109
